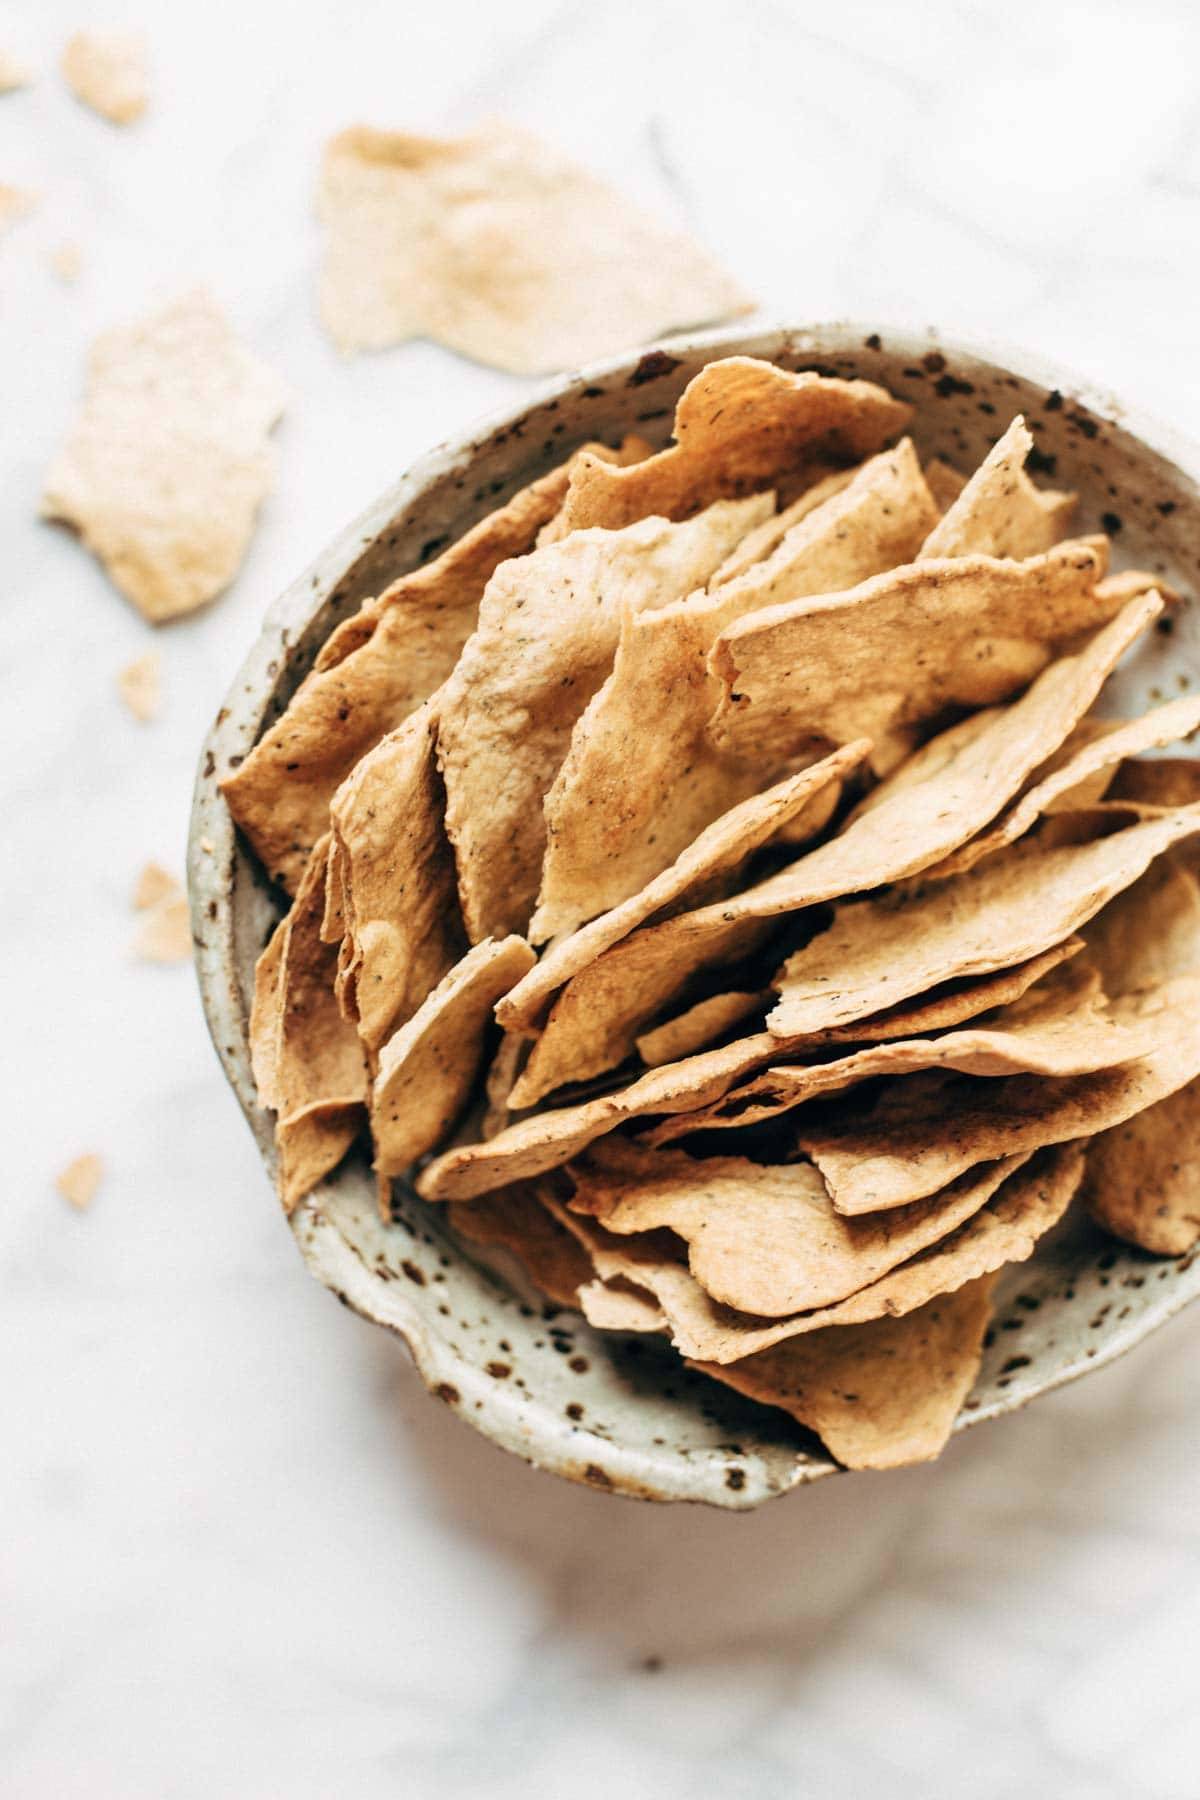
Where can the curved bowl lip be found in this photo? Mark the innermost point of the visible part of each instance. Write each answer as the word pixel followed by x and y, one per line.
pixel 515 1424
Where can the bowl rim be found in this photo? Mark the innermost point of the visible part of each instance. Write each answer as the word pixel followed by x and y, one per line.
pixel 547 1442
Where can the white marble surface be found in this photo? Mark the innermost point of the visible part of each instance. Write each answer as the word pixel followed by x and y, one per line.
pixel 242 1554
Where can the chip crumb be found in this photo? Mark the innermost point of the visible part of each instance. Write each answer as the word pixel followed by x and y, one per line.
pixel 107 71
pixel 139 684
pixel 66 261
pixel 155 884
pixel 166 936
pixel 207 845
pixel 16 203
pixel 14 73
pixel 78 1182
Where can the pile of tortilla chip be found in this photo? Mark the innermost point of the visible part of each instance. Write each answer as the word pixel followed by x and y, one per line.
pixel 718 876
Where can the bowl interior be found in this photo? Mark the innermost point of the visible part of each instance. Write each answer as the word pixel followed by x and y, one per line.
pixel 621 1413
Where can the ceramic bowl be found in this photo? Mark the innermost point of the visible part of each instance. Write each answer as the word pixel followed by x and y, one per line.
pixel 621 1414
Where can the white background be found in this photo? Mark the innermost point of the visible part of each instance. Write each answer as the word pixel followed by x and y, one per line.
pixel 240 1552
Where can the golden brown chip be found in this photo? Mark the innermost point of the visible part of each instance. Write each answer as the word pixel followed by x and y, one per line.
pixel 765 1240
pixel 879 1395
pixel 266 1017
pixel 397 880
pixel 107 71
pixel 1151 932
pixel 697 1026
pixel 374 671
pixel 140 686
pixel 615 819
pixel 931 1131
pixel 499 247
pixel 718 851
pixel 427 1069
pixel 1018 903
pixel 515 1220
pixel 79 1182
pixel 761 543
pixel 165 468
pixel 740 424
pixel 901 648
pixel 999 512
pixel 1165 781
pixel 1143 1177
pixel 547 632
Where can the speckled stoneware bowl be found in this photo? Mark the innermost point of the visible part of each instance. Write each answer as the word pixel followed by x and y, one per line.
pixel 621 1414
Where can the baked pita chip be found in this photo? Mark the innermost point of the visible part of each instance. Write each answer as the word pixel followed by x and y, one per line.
pixel 1017 904
pixel 503 1071
pixel 698 1025
pixel 1151 932
pixel 740 425
pixel 1143 1176
pixel 499 247
pixel 615 820
pixel 879 1395
pixel 931 1131
pixel 1170 781
pixel 765 1240
pixel 107 71
pixel 428 1068
pixel 966 777
pixel 547 632
pixel 620 1306
pixel 765 539
pixel 168 462
pixel 944 483
pixel 515 1220
pixel 901 649
pixel 375 670
pixel 397 877
pixel 718 851
pixel 999 512
pixel 265 1017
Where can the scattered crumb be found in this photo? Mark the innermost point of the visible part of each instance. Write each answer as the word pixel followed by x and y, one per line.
pixel 207 845
pixel 66 260
pixel 107 71
pixel 166 936
pixel 154 885
pixel 13 73
pixel 15 203
pixel 80 1179
pixel 140 686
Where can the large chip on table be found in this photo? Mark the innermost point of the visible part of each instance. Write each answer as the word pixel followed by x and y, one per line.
pixel 718 851
pixel 515 1220
pixel 628 799
pixel 929 1130
pixel 499 247
pixel 1018 903
pixel 371 674
pixel 396 869
pixel 902 648
pixel 740 424
pixel 879 1395
pixel 548 629
pixel 965 776
pixel 166 466
pixel 427 1069
pixel 307 1060
pixel 764 1239
pixel 1000 512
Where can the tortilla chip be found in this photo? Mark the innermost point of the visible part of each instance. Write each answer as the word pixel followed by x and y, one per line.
pixel 765 539
pixel 1000 512
pixel 1143 1177
pixel 140 686
pixel 499 247
pixel 944 483
pixel 901 648
pixel 375 670
pixel 1177 719
pixel 503 1071
pixel 166 466
pixel 79 1182
pixel 107 71
pixel 614 820
pixel 1151 932
pixel 515 1220
pixel 880 1395
pixel 932 1131
pixel 1017 904
pixel 967 775
pixel 765 1240
pixel 697 1026
pixel 547 632
pixel 1170 781
pixel 740 424
pixel 718 850
pixel 398 886
pixel 266 1017
pixel 154 884
pixel 16 203
pixel 561 962
pixel 427 1069
pixel 620 1306
pixel 166 935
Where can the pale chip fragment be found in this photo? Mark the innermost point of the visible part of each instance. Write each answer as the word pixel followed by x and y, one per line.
pixel 108 71
pixel 79 1182
pixel 697 1026
pixel 498 246
pixel 154 885
pixel 168 462
pixel 139 684
pixel 1000 512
